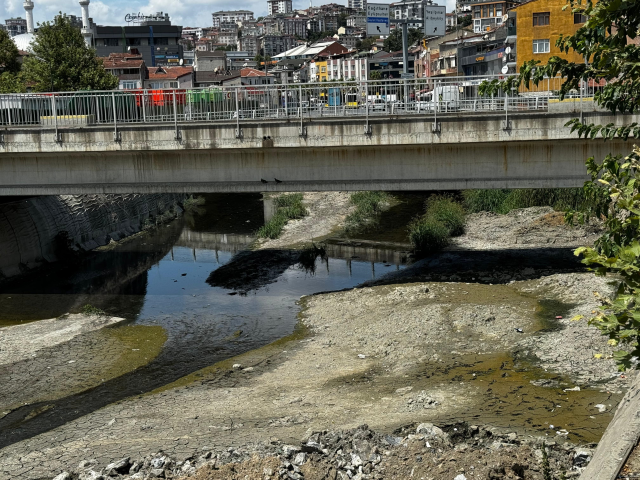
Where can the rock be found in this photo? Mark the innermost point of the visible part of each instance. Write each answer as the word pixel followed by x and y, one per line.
pixel 119 467
pixel 158 462
pixel 460 477
pixel 391 440
pixel 582 457
pixel 601 408
pixel 300 458
pixel 512 437
pixel 360 355
pixel 356 461
pixel 574 389
pixel 137 476
pixel 289 450
pixel 429 430
pixel 267 471
pixel 91 475
pixel 156 473
pixel 63 476
pixel 237 366
pixel 135 468
pixel 90 463
pixel 403 390
pixel 248 369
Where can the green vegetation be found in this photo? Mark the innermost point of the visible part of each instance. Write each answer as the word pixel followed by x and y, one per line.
pixel 604 41
pixel 288 207
pixel 393 42
pixel 503 201
pixel 444 218
pixel 308 256
pixel 368 207
pixel 89 309
pixel 192 203
pixel 61 61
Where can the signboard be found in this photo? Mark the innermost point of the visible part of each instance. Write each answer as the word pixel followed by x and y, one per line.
pixel 435 23
pixel 377 19
pixel 406 75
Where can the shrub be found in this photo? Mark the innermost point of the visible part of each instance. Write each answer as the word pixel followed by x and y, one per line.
pixel 288 207
pixel 428 235
pixel 503 201
pixel 91 310
pixel 448 212
pixel 368 207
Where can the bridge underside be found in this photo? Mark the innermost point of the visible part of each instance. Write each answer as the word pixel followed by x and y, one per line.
pixel 512 164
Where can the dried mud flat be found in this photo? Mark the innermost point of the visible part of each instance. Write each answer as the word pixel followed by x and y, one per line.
pixel 489 363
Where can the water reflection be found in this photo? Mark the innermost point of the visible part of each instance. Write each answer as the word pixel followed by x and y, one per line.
pixel 164 278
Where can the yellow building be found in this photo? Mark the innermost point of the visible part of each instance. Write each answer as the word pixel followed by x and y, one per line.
pixel 539 23
pixel 321 69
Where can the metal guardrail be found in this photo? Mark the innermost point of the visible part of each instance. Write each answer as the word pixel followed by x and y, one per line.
pixel 373 98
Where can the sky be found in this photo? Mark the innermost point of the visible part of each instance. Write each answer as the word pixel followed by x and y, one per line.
pixel 193 13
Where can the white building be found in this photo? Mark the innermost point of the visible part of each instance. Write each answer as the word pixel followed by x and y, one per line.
pixel 197 32
pixel 359 5
pixel 347 68
pixel 231 16
pixel 410 9
pixel 279 6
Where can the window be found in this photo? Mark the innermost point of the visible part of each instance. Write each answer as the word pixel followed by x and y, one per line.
pixel 129 85
pixel 476 12
pixel 485 11
pixel 541 46
pixel 156 85
pixel 579 18
pixel 323 69
pixel 541 19
pixel 133 41
pixel 173 84
pixel 111 42
pixel 499 10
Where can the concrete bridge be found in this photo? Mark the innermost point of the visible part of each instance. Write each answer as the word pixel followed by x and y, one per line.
pixel 428 151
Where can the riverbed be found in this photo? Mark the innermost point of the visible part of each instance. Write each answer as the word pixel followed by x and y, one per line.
pixel 422 349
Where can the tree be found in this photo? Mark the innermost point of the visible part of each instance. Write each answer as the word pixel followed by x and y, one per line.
pixel 314 37
pixel 393 42
pixel 465 21
pixel 61 61
pixel 375 75
pixel 8 54
pixel 342 20
pixel 603 41
pixel 366 44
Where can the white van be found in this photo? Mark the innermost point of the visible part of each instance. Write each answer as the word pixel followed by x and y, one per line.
pixel 447 98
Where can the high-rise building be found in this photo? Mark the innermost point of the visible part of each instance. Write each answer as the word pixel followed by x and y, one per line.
pixel 226 16
pixel 279 6
pixel 359 5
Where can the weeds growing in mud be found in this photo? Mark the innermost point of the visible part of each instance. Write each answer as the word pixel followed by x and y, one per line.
pixel 444 218
pixel 288 207
pixel 368 207
pixel 503 201
pixel 192 203
pixel 89 309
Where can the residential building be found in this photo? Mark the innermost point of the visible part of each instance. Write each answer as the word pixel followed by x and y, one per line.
pixel 451 20
pixel 228 37
pixel 348 41
pixel 390 65
pixel 156 40
pixel 212 79
pixel 169 77
pixel 250 76
pixel 479 56
pixel 129 68
pixel 315 25
pixel 291 71
pixel 359 5
pixel 312 51
pixel 189 57
pixel 198 32
pixel 275 7
pixel 15 26
pixel 410 9
pixel 215 61
pixel 233 16
pixel 427 55
pixel 488 14
pixel 249 44
pixel 357 21
pixel 296 26
pixel 273 45
pixel 321 70
pixel 343 67
pixel 539 24
pixel 239 60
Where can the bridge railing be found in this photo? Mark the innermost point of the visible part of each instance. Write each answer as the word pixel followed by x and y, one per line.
pixel 371 98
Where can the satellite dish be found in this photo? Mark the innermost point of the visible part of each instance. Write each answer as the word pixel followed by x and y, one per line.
pixel 507 50
pixel 128 49
pixel 181 62
pixel 505 69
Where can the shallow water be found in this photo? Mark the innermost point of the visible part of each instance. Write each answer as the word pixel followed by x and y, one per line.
pixel 160 279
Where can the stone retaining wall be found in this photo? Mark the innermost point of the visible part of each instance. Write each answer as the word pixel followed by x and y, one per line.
pixel 32 230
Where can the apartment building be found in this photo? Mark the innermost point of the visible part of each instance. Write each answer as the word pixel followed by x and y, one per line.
pixel 230 16
pixel 275 7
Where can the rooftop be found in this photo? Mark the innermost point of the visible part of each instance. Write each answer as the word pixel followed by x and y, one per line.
pixel 161 73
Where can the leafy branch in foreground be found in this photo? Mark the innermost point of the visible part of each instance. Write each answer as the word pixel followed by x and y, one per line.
pixel 612 65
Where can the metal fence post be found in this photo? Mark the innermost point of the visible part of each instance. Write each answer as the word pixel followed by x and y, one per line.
pixel 178 135
pixel 54 111
pixel 238 131
pixel 367 127
pixel 116 134
pixel 303 130
pixel 143 100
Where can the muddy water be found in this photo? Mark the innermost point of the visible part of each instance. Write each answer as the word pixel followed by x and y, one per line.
pixel 160 279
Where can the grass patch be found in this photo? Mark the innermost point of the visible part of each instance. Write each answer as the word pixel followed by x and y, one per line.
pixel 503 201
pixel 288 207
pixel 444 218
pixel 89 309
pixel 368 207
pixel 192 203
